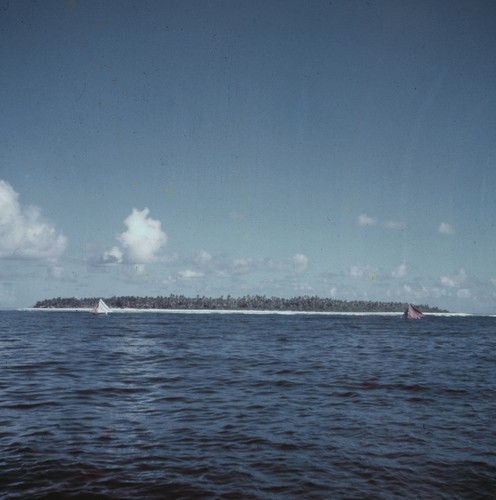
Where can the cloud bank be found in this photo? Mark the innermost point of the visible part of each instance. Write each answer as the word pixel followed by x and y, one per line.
pixel 23 231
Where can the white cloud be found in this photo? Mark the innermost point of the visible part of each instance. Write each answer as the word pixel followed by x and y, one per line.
pixel 447 281
pixel 365 220
pixel 223 266
pixel 464 293
pixel 455 280
pixel 143 238
pixel 236 271
pixel 113 256
pixel 378 274
pixel 356 271
pixel 400 271
pixel 23 232
pixel 139 269
pixel 300 262
pixel 243 265
pixel 393 224
pixel 203 258
pixel 359 271
pixel 445 228
pixel 189 274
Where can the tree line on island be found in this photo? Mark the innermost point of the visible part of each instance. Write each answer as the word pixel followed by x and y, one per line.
pixel 249 302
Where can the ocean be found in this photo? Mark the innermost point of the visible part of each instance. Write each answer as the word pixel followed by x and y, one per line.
pixel 246 406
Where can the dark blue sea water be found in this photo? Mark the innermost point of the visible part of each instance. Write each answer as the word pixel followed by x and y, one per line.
pixel 246 406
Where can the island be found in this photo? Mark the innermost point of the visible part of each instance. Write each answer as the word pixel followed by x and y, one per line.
pixel 246 303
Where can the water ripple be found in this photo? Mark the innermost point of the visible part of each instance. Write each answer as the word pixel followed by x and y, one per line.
pixel 246 407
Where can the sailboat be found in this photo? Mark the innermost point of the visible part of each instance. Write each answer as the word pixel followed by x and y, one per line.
pixel 101 308
pixel 411 312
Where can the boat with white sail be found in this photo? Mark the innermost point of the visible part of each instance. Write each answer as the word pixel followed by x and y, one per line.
pixel 101 308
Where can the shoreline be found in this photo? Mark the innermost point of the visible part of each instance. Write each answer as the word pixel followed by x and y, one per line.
pixel 240 311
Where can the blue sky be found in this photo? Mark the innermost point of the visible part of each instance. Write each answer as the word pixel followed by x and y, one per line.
pixel 343 149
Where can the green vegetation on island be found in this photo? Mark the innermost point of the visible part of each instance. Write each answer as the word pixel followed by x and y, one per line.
pixel 249 302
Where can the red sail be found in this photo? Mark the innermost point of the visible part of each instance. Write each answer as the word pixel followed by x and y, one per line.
pixel 411 312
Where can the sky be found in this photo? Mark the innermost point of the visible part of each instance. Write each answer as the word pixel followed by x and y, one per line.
pixel 344 149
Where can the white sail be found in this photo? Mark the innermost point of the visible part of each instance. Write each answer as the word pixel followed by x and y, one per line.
pixel 101 308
